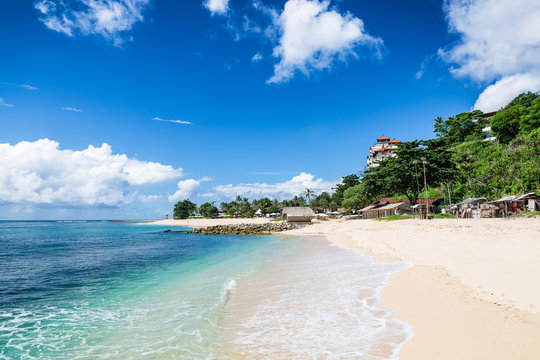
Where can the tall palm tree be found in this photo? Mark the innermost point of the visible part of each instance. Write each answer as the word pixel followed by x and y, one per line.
pixel 309 192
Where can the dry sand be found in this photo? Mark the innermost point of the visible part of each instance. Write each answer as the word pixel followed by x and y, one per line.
pixel 473 291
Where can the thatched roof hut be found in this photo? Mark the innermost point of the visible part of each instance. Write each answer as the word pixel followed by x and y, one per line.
pixel 297 214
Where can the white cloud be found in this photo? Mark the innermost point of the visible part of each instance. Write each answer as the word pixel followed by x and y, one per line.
pixel 499 41
pixel 173 121
pixel 149 198
pixel 39 172
pixel 3 103
pixel 217 7
pixel 108 18
pixel 186 188
pixel 67 108
pixel 312 37
pixel 257 57
pixel 503 91
pixel 27 87
pixel 284 190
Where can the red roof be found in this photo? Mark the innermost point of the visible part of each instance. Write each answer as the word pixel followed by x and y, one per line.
pixel 394 141
pixel 422 201
pixel 383 138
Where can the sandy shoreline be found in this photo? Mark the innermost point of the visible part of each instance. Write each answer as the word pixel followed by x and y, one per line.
pixel 473 291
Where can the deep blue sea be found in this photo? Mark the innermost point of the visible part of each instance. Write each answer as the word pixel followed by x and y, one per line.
pixel 105 290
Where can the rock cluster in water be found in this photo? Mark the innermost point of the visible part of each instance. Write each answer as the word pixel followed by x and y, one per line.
pixel 247 229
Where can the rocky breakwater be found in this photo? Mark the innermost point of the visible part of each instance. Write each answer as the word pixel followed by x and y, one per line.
pixel 246 229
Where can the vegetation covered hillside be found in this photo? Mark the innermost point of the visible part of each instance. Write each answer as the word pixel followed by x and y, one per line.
pixel 461 163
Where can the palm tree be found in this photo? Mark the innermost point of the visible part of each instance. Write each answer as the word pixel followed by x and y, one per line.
pixel 308 193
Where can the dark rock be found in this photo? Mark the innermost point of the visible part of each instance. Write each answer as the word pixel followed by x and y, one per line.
pixel 248 229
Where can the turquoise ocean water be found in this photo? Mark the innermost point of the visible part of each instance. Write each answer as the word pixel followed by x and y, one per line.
pixel 103 290
pixel 89 290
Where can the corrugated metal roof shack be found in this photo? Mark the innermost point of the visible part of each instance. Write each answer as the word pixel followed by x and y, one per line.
pixel 511 204
pixel 383 210
pixel 469 208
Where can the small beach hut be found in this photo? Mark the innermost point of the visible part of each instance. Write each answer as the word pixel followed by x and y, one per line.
pixel 297 214
pixel 470 208
pixel 383 210
pixel 514 203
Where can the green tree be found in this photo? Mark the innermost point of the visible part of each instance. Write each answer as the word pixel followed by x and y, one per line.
pixel 322 202
pixel 356 197
pixel 521 115
pixel 399 175
pixel 459 128
pixel 184 209
pixel 274 209
pixel 208 210
pixel 308 193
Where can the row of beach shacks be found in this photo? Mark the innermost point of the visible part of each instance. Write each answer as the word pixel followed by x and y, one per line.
pixel 482 207
pixel 469 208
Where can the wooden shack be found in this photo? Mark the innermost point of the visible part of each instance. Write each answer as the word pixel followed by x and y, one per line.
pixel 470 208
pixel 383 210
pixel 511 204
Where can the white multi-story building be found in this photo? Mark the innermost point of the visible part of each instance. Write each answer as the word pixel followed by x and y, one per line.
pixel 488 135
pixel 383 149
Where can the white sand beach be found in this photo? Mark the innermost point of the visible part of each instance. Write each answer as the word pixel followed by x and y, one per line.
pixel 472 292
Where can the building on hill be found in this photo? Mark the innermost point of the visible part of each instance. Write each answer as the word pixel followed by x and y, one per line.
pixel 383 149
pixel 488 135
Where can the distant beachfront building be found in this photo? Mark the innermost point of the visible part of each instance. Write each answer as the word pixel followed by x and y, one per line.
pixel 383 149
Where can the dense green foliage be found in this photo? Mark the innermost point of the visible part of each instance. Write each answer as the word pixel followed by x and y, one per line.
pixel 404 174
pixel 184 209
pixel 208 210
pixel 519 117
pixel 460 161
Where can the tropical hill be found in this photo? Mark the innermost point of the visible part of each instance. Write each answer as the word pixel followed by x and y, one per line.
pixel 460 162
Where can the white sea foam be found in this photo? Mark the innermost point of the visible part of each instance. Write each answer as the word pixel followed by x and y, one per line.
pixel 323 302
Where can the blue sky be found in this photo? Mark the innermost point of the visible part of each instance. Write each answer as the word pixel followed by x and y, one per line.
pixel 268 96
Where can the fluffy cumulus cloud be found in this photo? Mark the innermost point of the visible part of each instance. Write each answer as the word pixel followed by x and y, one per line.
pixel 311 37
pixel 217 7
pixel 499 41
pixel 187 188
pixel 504 90
pixel 108 18
pixel 41 173
pixel 287 189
